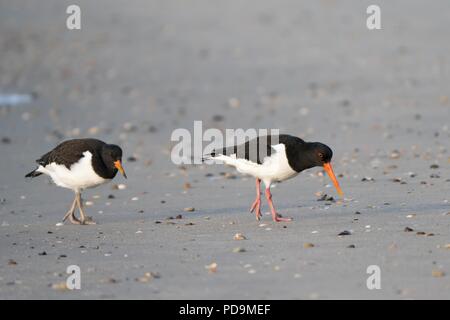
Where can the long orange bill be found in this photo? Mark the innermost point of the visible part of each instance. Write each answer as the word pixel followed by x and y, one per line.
pixel 119 167
pixel 329 169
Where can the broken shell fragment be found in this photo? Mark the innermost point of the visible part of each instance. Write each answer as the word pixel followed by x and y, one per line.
pixel 239 236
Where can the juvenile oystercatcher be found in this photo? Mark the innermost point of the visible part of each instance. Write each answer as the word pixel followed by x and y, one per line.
pixel 274 159
pixel 79 164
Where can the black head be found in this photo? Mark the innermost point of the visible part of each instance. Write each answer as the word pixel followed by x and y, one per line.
pixel 112 158
pixel 319 153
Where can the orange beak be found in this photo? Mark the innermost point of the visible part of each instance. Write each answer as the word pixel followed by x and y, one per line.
pixel 329 169
pixel 119 167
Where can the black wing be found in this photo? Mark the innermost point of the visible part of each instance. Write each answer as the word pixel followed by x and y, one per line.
pixel 257 149
pixel 70 151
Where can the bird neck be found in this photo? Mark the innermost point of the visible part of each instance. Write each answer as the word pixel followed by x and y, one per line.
pixel 103 166
pixel 299 156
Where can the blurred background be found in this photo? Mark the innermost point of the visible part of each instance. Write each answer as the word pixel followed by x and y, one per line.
pixel 137 70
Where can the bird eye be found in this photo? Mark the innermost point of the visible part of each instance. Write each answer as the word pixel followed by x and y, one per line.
pixel 320 155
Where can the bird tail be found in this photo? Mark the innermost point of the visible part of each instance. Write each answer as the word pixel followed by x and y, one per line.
pixel 33 174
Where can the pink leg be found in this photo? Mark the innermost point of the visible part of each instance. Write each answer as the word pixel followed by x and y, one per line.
pixel 256 206
pixel 275 215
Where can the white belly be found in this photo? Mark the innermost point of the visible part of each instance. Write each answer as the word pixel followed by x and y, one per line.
pixel 80 176
pixel 274 168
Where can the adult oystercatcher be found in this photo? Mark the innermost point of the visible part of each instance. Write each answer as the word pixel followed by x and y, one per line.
pixel 79 164
pixel 275 158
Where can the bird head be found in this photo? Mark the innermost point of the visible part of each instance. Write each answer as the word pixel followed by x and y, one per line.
pixel 112 157
pixel 320 155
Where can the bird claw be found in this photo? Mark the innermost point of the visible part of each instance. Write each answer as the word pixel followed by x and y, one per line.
pixel 279 218
pixel 74 220
pixel 88 221
pixel 256 208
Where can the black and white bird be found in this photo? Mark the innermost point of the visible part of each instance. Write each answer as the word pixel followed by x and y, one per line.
pixel 275 158
pixel 79 164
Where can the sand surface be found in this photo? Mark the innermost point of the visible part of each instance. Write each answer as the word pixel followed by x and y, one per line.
pixel 137 70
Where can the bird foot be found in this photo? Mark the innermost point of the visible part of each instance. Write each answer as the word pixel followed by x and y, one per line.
pixel 74 220
pixel 278 218
pixel 256 207
pixel 88 221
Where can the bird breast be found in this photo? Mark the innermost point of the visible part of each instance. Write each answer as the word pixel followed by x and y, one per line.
pixel 274 167
pixel 81 174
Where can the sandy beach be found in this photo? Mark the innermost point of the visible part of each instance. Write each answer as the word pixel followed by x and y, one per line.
pixel 137 71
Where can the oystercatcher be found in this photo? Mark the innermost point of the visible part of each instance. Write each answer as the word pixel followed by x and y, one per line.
pixel 275 158
pixel 79 164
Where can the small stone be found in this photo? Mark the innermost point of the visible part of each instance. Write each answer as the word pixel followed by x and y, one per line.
pixel 187 186
pixel 143 279
pixel 12 262
pixel 148 276
pixel 345 233
pixel 109 280
pixel 395 154
pixel 238 249
pixel 234 103
pixel 154 275
pixel 308 245
pixel 218 118
pixel 239 236
pixel 43 253
pixel 434 166
pixel 438 273
pixel 326 197
pixel 179 216
pixel 262 225
pixel 189 209
pixel 351 246
pixel 212 268
pixel 408 229
pixel 60 286
pixel 230 176
pixel 129 127
pixel 6 140
pixel 93 131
